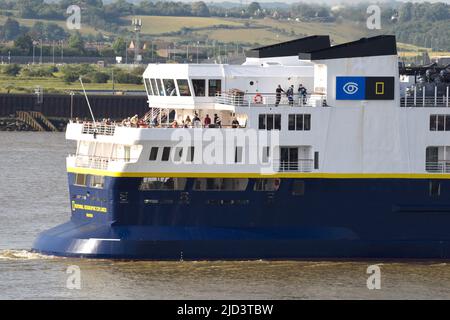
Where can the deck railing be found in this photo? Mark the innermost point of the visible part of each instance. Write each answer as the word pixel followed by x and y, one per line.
pixel 302 165
pixel 99 128
pixel 270 100
pixel 100 163
pixel 420 99
pixel 438 166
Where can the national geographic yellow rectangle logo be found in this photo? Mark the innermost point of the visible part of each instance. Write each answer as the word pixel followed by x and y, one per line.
pixel 77 206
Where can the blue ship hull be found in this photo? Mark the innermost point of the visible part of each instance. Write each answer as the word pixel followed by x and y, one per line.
pixel 332 218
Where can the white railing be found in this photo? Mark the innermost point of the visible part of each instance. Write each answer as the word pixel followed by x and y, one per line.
pixel 302 165
pixel 99 128
pixel 420 99
pixel 101 163
pixel 271 100
pixel 438 166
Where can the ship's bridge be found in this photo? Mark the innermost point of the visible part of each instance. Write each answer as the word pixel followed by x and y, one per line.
pixel 209 86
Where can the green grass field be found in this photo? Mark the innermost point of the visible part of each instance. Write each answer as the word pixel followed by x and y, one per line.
pixel 56 84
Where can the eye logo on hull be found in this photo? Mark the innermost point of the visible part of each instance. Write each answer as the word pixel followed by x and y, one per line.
pixel 350 88
pixel 365 88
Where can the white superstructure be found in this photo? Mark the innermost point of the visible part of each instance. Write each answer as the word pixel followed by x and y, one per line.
pixel 328 132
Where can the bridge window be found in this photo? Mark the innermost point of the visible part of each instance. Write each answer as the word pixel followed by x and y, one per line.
pixel 220 184
pixel 183 87
pixel 300 122
pixel 169 86
pixel 269 122
pixel 440 122
pixel 80 179
pixel 215 87
pixel 166 154
pixel 148 86
pixel 154 153
pixel 155 87
pixel 97 181
pixel 267 184
pixel 163 184
pixel 199 87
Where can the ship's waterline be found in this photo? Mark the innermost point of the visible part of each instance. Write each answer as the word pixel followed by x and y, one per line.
pixel 26 275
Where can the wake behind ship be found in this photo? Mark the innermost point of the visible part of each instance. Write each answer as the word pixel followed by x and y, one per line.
pixel 307 150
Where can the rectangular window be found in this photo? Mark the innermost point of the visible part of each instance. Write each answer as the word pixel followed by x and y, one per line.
pixel 80 179
pixel 190 154
pixel 183 87
pixel 291 125
pixel 162 91
pixel 199 87
pixel 178 154
pixel 238 155
pixel 265 154
pixel 166 154
pixel 441 122
pixel 215 87
pixel 307 122
pixel 298 188
pixel 97 181
pixel 153 154
pixel 155 87
pixel 316 160
pixel 435 188
pixel 267 184
pixel 148 86
pixel 220 184
pixel 300 122
pixel 162 184
pixel 169 87
pixel 270 123
pixel 262 122
pixel 277 124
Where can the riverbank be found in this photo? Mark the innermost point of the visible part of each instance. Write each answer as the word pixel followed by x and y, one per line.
pixel 13 124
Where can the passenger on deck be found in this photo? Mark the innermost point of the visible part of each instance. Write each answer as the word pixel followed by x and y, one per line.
pixel 217 121
pixel 235 123
pixel 290 95
pixel 302 93
pixel 188 122
pixel 174 124
pixel 197 121
pixel 134 120
pixel 207 121
pixel 278 95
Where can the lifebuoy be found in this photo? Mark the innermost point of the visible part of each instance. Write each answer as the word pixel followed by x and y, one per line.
pixel 257 98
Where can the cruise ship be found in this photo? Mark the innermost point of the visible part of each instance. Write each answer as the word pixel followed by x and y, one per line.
pixel 305 151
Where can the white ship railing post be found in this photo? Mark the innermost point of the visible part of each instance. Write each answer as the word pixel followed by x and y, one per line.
pixel 423 96
pixel 415 95
pixel 447 96
pixel 435 96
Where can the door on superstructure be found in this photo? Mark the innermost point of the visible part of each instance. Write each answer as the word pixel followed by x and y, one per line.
pixel 288 158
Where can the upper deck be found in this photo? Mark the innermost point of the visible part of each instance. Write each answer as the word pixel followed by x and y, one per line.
pixel 356 118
